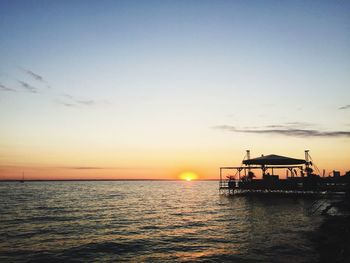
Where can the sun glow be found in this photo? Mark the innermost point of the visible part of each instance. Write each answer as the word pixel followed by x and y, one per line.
pixel 188 176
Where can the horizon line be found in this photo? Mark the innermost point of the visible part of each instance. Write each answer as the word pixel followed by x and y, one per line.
pixel 93 180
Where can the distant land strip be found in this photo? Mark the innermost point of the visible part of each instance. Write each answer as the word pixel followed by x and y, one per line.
pixel 94 180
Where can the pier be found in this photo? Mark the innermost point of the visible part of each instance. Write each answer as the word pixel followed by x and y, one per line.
pixel 299 178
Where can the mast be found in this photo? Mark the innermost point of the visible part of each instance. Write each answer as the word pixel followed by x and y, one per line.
pixel 307 162
pixel 307 157
pixel 248 158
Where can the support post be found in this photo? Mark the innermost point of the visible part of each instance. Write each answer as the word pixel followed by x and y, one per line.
pixel 307 158
pixel 248 158
pixel 307 163
pixel 220 185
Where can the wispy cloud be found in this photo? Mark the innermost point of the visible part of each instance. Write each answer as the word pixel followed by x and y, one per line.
pixel 4 88
pixel 285 131
pixel 86 168
pixel 288 125
pixel 65 103
pixel 101 167
pixel 299 124
pixel 64 99
pixel 35 76
pixel 344 107
pixel 28 87
pixel 75 102
pixel 86 102
pixel 67 96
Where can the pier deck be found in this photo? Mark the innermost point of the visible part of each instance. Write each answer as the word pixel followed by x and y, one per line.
pixel 299 178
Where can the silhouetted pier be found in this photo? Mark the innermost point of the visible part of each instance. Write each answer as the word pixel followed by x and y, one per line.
pixel 300 179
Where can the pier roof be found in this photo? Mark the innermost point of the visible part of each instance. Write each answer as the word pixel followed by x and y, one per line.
pixel 273 159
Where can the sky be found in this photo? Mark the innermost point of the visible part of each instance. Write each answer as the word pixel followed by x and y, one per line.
pixel 151 89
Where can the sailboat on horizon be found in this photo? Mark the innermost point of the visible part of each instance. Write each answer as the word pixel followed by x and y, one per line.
pixel 22 181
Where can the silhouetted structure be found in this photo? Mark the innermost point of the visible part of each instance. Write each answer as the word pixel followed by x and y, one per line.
pixel 300 178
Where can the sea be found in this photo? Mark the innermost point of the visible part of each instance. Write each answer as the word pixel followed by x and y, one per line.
pixel 150 221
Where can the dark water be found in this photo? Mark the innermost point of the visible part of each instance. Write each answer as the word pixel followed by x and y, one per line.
pixel 149 221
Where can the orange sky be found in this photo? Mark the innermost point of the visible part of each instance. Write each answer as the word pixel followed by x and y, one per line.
pixel 205 163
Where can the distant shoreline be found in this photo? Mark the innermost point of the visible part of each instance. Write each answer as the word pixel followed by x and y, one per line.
pixel 102 180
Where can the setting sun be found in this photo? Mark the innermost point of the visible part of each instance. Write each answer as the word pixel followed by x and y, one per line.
pixel 188 176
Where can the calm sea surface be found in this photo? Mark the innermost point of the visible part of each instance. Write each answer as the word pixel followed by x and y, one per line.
pixel 149 221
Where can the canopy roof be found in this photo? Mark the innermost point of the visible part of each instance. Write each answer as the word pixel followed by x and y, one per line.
pixel 273 159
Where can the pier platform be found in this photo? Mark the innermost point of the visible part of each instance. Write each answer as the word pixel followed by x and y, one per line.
pixel 263 176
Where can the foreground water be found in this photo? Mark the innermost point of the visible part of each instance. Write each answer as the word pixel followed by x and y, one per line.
pixel 149 221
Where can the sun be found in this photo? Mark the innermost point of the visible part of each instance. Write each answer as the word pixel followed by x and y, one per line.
pixel 188 176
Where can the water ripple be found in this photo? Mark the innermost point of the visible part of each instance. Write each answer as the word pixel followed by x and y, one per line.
pixel 149 221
